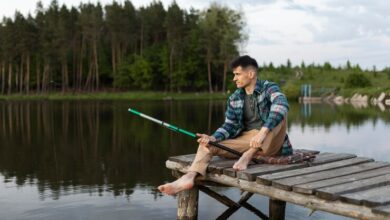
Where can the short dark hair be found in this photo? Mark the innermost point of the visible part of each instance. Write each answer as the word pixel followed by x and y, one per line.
pixel 244 61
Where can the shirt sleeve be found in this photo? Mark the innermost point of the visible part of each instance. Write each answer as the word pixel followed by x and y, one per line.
pixel 230 125
pixel 279 106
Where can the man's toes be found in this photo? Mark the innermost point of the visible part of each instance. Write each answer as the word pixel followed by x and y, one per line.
pixel 161 188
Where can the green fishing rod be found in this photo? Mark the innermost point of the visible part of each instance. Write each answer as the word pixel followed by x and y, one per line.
pixel 179 130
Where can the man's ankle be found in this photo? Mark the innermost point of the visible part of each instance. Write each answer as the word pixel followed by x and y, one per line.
pixel 251 151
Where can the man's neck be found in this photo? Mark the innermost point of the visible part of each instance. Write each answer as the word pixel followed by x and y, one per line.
pixel 251 87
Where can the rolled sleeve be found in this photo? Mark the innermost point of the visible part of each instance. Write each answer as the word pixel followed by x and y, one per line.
pixel 279 106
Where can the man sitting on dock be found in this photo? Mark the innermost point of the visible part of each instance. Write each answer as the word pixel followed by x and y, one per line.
pixel 255 125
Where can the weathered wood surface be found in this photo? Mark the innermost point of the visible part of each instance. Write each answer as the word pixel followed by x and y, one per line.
pixel 309 201
pixel 267 179
pixel 310 188
pixel 338 183
pixel 383 210
pixel 277 209
pixel 331 157
pixel 288 183
pixel 261 169
pixel 372 197
pixel 187 204
pixel 333 192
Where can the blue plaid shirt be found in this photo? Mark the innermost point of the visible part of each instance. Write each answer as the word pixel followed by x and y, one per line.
pixel 271 104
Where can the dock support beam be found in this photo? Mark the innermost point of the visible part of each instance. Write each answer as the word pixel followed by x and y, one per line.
pixel 187 207
pixel 277 209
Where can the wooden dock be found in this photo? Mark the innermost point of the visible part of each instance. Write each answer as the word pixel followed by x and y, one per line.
pixel 338 183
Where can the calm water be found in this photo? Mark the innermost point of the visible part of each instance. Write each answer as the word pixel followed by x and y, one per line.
pixel 94 160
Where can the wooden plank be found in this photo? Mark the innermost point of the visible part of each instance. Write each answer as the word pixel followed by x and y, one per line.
pixel 330 157
pixel 310 188
pixel 306 151
pixel 288 183
pixel 312 202
pixel 183 159
pixel 267 179
pixel 372 197
pixel 218 166
pixel 252 172
pixel 333 192
pixel 219 163
pixel 383 210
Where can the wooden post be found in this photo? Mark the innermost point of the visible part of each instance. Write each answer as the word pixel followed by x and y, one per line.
pixel 187 204
pixel 276 209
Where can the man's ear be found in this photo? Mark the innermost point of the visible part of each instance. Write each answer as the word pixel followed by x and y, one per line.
pixel 252 74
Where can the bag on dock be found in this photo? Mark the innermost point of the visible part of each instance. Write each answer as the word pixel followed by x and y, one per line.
pixel 298 156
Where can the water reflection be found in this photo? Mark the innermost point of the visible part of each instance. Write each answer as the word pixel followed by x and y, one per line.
pixel 73 147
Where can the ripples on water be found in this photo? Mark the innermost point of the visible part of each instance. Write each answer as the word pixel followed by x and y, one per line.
pixel 94 160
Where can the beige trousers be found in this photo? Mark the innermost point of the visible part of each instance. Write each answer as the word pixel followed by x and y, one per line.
pixel 271 146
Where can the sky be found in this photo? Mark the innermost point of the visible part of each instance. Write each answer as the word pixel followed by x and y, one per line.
pixel 313 31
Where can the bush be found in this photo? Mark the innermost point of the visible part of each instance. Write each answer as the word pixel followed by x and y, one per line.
pixel 292 91
pixel 357 80
pixel 136 75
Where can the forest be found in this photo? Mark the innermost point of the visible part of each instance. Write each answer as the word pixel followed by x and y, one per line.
pixel 118 47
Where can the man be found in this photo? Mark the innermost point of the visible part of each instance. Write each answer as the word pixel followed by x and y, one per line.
pixel 255 125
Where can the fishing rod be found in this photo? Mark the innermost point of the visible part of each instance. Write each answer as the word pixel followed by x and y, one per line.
pixel 182 131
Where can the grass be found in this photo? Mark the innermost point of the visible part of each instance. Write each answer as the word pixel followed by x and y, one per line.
pixel 328 80
pixel 136 95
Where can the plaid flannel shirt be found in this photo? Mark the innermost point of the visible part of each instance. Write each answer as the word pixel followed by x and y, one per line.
pixel 271 104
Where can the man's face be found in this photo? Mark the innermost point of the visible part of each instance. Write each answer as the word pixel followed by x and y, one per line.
pixel 243 76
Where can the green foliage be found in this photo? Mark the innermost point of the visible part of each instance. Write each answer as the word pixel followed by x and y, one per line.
pixel 357 80
pixel 135 75
pixel 292 91
pixel 88 47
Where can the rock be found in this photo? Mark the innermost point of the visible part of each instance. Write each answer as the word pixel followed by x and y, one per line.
pixel 381 97
pixel 338 100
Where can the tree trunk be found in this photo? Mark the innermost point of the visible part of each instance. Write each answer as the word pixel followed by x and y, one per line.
pixel 88 81
pixel 27 79
pixel 74 65
pixel 80 72
pixel 16 77
pixel 45 77
pixel 64 71
pixel 209 75
pixel 9 78
pixel 37 69
pixel 21 74
pixel 225 64
pixel 95 55
pixel 119 53
pixel 113 60
pixel 142 38
pixel 3 77
pixel 171 69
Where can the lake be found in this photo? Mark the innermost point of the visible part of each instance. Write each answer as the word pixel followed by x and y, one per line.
pixel 95 160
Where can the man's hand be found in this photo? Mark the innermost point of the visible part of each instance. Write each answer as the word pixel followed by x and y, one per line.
pixel 257 140
pixel 204 139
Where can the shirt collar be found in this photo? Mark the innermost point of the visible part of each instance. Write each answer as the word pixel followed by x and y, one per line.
pixel 258 88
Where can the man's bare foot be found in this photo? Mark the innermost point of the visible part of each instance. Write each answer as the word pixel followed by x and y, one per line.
pixel 183 183
pixel 244 160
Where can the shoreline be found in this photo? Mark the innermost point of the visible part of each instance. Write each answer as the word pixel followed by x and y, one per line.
pixel 117 96
pixel 357 100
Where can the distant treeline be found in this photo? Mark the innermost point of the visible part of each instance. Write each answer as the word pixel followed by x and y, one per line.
pixel 326 79
pixel 117 46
